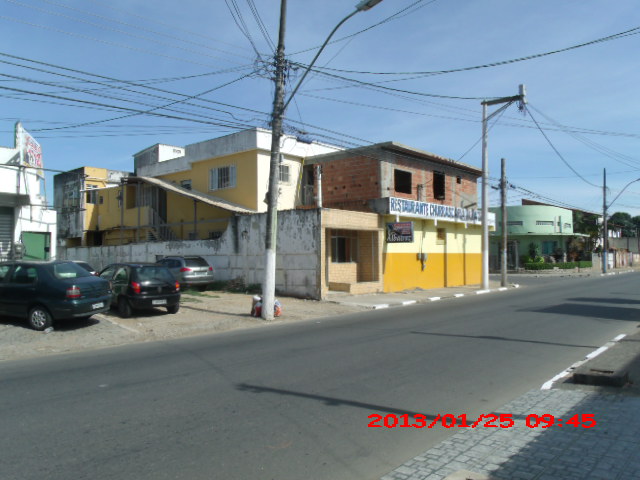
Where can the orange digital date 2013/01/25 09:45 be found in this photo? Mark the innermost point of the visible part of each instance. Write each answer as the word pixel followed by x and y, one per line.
pixel 502 420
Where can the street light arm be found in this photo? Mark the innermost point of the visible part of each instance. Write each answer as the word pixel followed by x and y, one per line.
pixel 306 72
pixel 621 191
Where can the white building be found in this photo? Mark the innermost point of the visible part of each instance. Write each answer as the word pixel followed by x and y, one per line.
pixel 27 226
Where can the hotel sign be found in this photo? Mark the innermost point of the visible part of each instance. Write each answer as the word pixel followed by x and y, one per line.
pixel 434 211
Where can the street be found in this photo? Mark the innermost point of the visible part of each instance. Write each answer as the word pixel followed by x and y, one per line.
pixel 293 401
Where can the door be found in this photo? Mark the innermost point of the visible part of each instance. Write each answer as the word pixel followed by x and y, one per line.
pixel 6 230
pixel 36 245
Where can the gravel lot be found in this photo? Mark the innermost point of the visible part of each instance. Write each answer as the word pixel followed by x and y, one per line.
pixel 200 313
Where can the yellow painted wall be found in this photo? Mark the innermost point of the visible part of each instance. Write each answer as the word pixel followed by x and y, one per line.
pixel 94 177
pixel 453 262
pixel 245 192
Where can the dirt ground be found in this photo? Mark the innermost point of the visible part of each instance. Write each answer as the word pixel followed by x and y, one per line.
pixel 200 313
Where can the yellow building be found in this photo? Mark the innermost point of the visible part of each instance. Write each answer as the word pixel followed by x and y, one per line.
pixel 183 193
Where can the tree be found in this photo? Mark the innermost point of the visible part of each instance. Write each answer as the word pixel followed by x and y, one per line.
pixel 623 220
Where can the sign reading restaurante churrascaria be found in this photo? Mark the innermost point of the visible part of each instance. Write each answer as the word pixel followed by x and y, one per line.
pixel 434 211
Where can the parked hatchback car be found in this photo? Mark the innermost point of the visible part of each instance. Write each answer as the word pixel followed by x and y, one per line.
pixel 190 271
pixel 141 286
pixel 44 291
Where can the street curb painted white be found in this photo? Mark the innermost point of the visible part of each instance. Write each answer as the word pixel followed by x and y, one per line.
pixel 434 299
pixel 380 305
pixel 409 302
pixel 548 384
pixel 458 295
pixel 482 292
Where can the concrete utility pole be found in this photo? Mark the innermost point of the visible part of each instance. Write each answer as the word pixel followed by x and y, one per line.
pixel 604 220
pixel 279 107
pixel 269 284
pixel 522 99
pixel 505 223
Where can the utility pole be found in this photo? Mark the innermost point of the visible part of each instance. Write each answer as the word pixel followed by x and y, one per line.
pixel 604 221
pixel 269 284
pixel 279 107
pixel 522 99
pixel 503 197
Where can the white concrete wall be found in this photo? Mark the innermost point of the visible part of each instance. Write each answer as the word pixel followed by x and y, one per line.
pixel 238 253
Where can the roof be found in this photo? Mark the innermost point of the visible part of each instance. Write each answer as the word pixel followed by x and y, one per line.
pixel 397 148
pixel 199 196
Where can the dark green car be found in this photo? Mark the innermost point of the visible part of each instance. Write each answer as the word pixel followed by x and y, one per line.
pixel 141 286
pixel 44 291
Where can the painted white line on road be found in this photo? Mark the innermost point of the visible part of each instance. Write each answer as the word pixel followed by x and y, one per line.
pixel 409 302
pixel 458 295
pixel 547 385
pixel 434 299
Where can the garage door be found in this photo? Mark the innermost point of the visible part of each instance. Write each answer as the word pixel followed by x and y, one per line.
pixel 6 230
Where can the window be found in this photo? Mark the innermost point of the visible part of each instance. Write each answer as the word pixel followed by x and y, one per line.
pixel 544 222
pixel 402 181
pixel 215 235
pixel 222 177
pixel 92 194
pixel 344 245
pixel 192 236
pixel 567 225
pixel 438 186
pixel 515 223
pixel 284 173
pixel 441 236
pixel 23 274
pixel 186 184
pixel 458 179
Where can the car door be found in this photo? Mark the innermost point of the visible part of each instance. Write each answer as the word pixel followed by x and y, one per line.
pixel 5 270
pixel 120 281
pixel 21 289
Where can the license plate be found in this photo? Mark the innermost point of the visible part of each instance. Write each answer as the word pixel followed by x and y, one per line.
pixel 97 305
pixel 159 302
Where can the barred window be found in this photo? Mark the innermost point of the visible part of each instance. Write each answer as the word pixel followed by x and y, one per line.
pixel 285 173
pixel 344 246
pixel 222 177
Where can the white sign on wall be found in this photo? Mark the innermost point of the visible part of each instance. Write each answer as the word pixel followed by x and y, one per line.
pixel 434 211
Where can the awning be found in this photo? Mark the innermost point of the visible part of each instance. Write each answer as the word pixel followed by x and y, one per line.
pixel 199 196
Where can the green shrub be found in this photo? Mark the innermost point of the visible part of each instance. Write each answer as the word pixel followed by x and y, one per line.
pixel 560 265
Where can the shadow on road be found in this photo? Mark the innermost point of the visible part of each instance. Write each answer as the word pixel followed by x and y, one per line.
pixel 504 339
pixel 594 311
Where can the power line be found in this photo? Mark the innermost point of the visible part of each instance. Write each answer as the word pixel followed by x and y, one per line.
pixel 615 36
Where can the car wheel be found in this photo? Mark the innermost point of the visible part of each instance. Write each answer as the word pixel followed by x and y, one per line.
pixel 173 308
pixel 39 318
pixel 124 309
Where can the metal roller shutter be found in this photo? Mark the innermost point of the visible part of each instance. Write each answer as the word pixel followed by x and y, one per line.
pixel 6 230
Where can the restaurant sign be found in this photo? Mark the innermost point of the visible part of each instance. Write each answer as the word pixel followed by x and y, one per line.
pixel 400 232
pixel 435 211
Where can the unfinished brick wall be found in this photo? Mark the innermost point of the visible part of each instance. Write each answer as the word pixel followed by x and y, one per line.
pixel 348 183
pixel 422 181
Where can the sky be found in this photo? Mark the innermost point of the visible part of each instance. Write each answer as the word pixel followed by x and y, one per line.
pixel 95 81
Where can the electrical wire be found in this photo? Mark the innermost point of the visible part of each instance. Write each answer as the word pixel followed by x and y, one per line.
pixel 559 154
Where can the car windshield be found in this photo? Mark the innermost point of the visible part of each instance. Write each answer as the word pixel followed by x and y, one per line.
pixel 195 262
pixel 69 270
pixel 157 273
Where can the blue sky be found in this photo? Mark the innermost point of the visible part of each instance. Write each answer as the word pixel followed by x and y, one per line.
pixel 101 63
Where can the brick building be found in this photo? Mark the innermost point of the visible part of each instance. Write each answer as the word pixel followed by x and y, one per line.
pixel 430 229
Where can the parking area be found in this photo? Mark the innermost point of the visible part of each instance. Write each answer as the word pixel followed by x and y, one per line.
pixel 200 313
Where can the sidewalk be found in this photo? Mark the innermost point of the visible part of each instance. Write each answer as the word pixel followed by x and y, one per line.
pixel 410 297
pixel 610 450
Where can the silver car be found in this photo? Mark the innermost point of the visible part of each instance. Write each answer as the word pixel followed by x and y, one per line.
pixel 191 271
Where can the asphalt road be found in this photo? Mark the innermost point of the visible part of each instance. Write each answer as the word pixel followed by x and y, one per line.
pixel 292 401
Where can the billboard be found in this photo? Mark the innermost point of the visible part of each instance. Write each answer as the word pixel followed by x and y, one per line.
pixel 30 150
